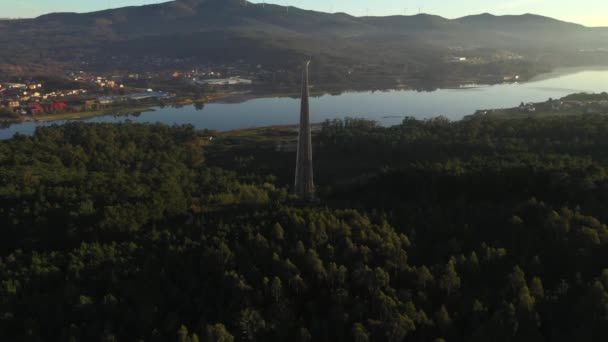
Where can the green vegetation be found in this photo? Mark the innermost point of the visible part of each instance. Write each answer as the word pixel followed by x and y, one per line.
pixel 9 115
pixel 586 97
pixel 415 49
pixel 128 110
pixel 477 230
pixel 574 104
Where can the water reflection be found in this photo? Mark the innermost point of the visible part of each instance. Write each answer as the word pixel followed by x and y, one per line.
pixel 386 106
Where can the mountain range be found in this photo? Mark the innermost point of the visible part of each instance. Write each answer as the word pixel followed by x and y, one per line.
pixel 226 30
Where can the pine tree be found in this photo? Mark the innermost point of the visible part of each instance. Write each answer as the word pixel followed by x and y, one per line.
pixel 443 319
pixel 218 333
pixel 359 333
pixel 536 288
pixel 449 280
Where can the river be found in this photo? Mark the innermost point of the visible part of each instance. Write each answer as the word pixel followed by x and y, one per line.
pixel 386 107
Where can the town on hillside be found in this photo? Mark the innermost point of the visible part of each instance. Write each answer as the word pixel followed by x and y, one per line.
pixel 87 92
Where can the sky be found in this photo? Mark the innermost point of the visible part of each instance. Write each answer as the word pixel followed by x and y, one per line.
pixel 586 12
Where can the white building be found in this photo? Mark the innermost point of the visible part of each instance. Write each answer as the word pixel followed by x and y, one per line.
pixel 226 81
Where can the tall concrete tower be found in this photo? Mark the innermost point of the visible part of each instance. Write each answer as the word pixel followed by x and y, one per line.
pixel 304 185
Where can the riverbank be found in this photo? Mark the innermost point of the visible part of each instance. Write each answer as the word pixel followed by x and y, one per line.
pixel 417 85
pixel 388 108
pixel 91 114
pixel 281 136
pixel 574 104
pixel 240 96
pixel 129 109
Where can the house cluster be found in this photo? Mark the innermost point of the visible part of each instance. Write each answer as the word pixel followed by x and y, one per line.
pixel 15 92
pixel 25 92
pixel 222 74
pixel 549 106
pixel 32 98
pixel 137 73
pixel 527 107
pixel 511 78
pixel 46 108
pixel 112 82
pixel 223 81
pixel 105 83
pixel 150 94
pixel 34 107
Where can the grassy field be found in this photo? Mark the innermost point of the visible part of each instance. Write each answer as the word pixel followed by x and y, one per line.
pixel 90 114
pixel 264 138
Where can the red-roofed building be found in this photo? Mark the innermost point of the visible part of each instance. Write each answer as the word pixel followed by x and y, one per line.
pixel 59 106
pixel 36 109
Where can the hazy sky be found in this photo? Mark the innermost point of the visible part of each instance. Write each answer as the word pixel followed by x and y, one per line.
pixel 587 12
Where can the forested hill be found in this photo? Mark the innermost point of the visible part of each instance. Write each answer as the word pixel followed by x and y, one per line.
pixel 277 35
pixel 478 230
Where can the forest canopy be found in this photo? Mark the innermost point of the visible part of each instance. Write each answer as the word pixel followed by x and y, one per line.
pixel 477 230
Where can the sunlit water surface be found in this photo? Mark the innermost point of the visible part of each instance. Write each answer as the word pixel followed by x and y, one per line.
pixel 386 107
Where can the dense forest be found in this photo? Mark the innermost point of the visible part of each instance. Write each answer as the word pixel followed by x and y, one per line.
pixel 483 229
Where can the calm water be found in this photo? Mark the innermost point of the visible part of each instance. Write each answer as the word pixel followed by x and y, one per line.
pixel 386 107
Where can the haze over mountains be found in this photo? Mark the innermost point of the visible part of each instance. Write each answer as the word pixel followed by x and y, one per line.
pixel 226 30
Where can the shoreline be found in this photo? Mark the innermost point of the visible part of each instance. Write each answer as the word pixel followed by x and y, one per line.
pixel 413 85
pixel 80 115
pixel 244 95
pixel 92 114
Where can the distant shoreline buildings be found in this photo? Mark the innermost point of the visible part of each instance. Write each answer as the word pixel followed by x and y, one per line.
pixel 224 81
pixel 159 95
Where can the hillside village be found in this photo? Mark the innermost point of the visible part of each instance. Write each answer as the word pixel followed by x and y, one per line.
pixel 25 101
pixel 86 91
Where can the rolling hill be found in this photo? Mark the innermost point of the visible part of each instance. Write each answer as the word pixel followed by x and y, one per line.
pixel 226 30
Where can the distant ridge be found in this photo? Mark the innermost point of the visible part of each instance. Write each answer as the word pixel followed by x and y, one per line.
pixel 524 21
pixel 272 34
